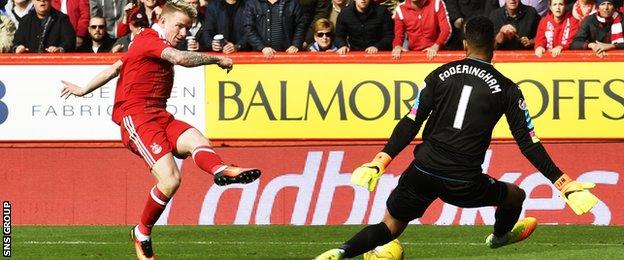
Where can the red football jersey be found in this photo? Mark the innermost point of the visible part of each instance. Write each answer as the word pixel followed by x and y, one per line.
pixel 145 80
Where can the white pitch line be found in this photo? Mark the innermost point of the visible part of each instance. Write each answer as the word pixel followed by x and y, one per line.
pixel 79 242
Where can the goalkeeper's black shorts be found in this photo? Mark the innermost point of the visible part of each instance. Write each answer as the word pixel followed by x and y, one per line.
pixel 418 188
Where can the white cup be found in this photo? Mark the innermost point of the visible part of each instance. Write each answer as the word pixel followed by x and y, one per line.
pixel 188 42
pixel 219 39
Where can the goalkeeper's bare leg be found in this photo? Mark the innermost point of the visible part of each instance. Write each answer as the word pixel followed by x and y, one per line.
pixel 507 228
pixel 367 239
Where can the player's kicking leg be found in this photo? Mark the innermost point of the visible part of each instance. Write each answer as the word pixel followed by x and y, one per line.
pixel 194 143
pixel 168 177
pixel 506 229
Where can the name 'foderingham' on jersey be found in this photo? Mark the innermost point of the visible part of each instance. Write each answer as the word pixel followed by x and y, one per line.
pixel 467 69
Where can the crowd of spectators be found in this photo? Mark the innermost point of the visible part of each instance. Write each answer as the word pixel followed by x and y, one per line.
pixel 271 26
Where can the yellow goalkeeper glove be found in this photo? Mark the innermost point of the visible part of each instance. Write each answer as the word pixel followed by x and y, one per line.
pixel 576 194
pixel 368 174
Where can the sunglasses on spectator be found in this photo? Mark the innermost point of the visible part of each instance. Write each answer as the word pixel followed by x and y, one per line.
pixel 321 34
pixel 96 26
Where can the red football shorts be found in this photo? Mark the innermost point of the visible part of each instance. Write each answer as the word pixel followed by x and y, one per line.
pixel 151 136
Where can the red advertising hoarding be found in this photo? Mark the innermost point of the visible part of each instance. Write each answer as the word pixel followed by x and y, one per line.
pixel 302 185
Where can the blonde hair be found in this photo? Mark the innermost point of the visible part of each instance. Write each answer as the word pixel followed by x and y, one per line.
pixel 323 24
pixel 179 6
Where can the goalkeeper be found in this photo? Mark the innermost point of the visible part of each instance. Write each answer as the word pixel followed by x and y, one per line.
pixel 463 100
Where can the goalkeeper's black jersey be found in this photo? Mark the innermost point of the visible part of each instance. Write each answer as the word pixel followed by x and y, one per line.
pixel 463 101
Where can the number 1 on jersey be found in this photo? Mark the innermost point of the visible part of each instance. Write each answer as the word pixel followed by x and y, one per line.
pixel 461 107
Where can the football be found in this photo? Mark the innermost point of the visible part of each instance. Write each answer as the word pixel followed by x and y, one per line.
pixel 392 250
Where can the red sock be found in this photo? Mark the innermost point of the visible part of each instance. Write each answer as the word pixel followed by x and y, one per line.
pixel 206 159
pixel 156 202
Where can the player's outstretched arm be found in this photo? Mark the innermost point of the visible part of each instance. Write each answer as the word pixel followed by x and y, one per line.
pixel 99 80
pixel 575 194
pixel 194 59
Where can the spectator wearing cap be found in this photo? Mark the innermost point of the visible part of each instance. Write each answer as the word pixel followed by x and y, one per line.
pixel 516 24
pixel 426 25
pixel 323 36
pixel 111 10
pixel 136 22
pixel 7 32
pixel 581 8
pixel 601 31
pixel 274 25
pixel 226 17
pixel 17 9
pixel 150 8
pixel 364 26
pixel 44 29
pixel 555 30
pixel 78 13
pixel 98 40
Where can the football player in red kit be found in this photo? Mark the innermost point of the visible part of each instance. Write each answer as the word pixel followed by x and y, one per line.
pixel 147 129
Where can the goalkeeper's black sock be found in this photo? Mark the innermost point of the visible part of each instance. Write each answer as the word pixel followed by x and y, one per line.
pixel 506 218
pixel 367 239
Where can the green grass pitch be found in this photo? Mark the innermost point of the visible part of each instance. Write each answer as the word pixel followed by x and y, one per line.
pixel 305 242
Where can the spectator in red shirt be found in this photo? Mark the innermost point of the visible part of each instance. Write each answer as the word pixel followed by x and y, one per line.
pixel 582 8
pixel 426 24
pixel 79 14
pixel 556 30
pixel 145 83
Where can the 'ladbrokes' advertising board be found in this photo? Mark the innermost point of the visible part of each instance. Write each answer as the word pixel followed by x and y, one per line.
pixel 304 185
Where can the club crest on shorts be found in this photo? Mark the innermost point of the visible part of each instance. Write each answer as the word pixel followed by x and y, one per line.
pixel 156 148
